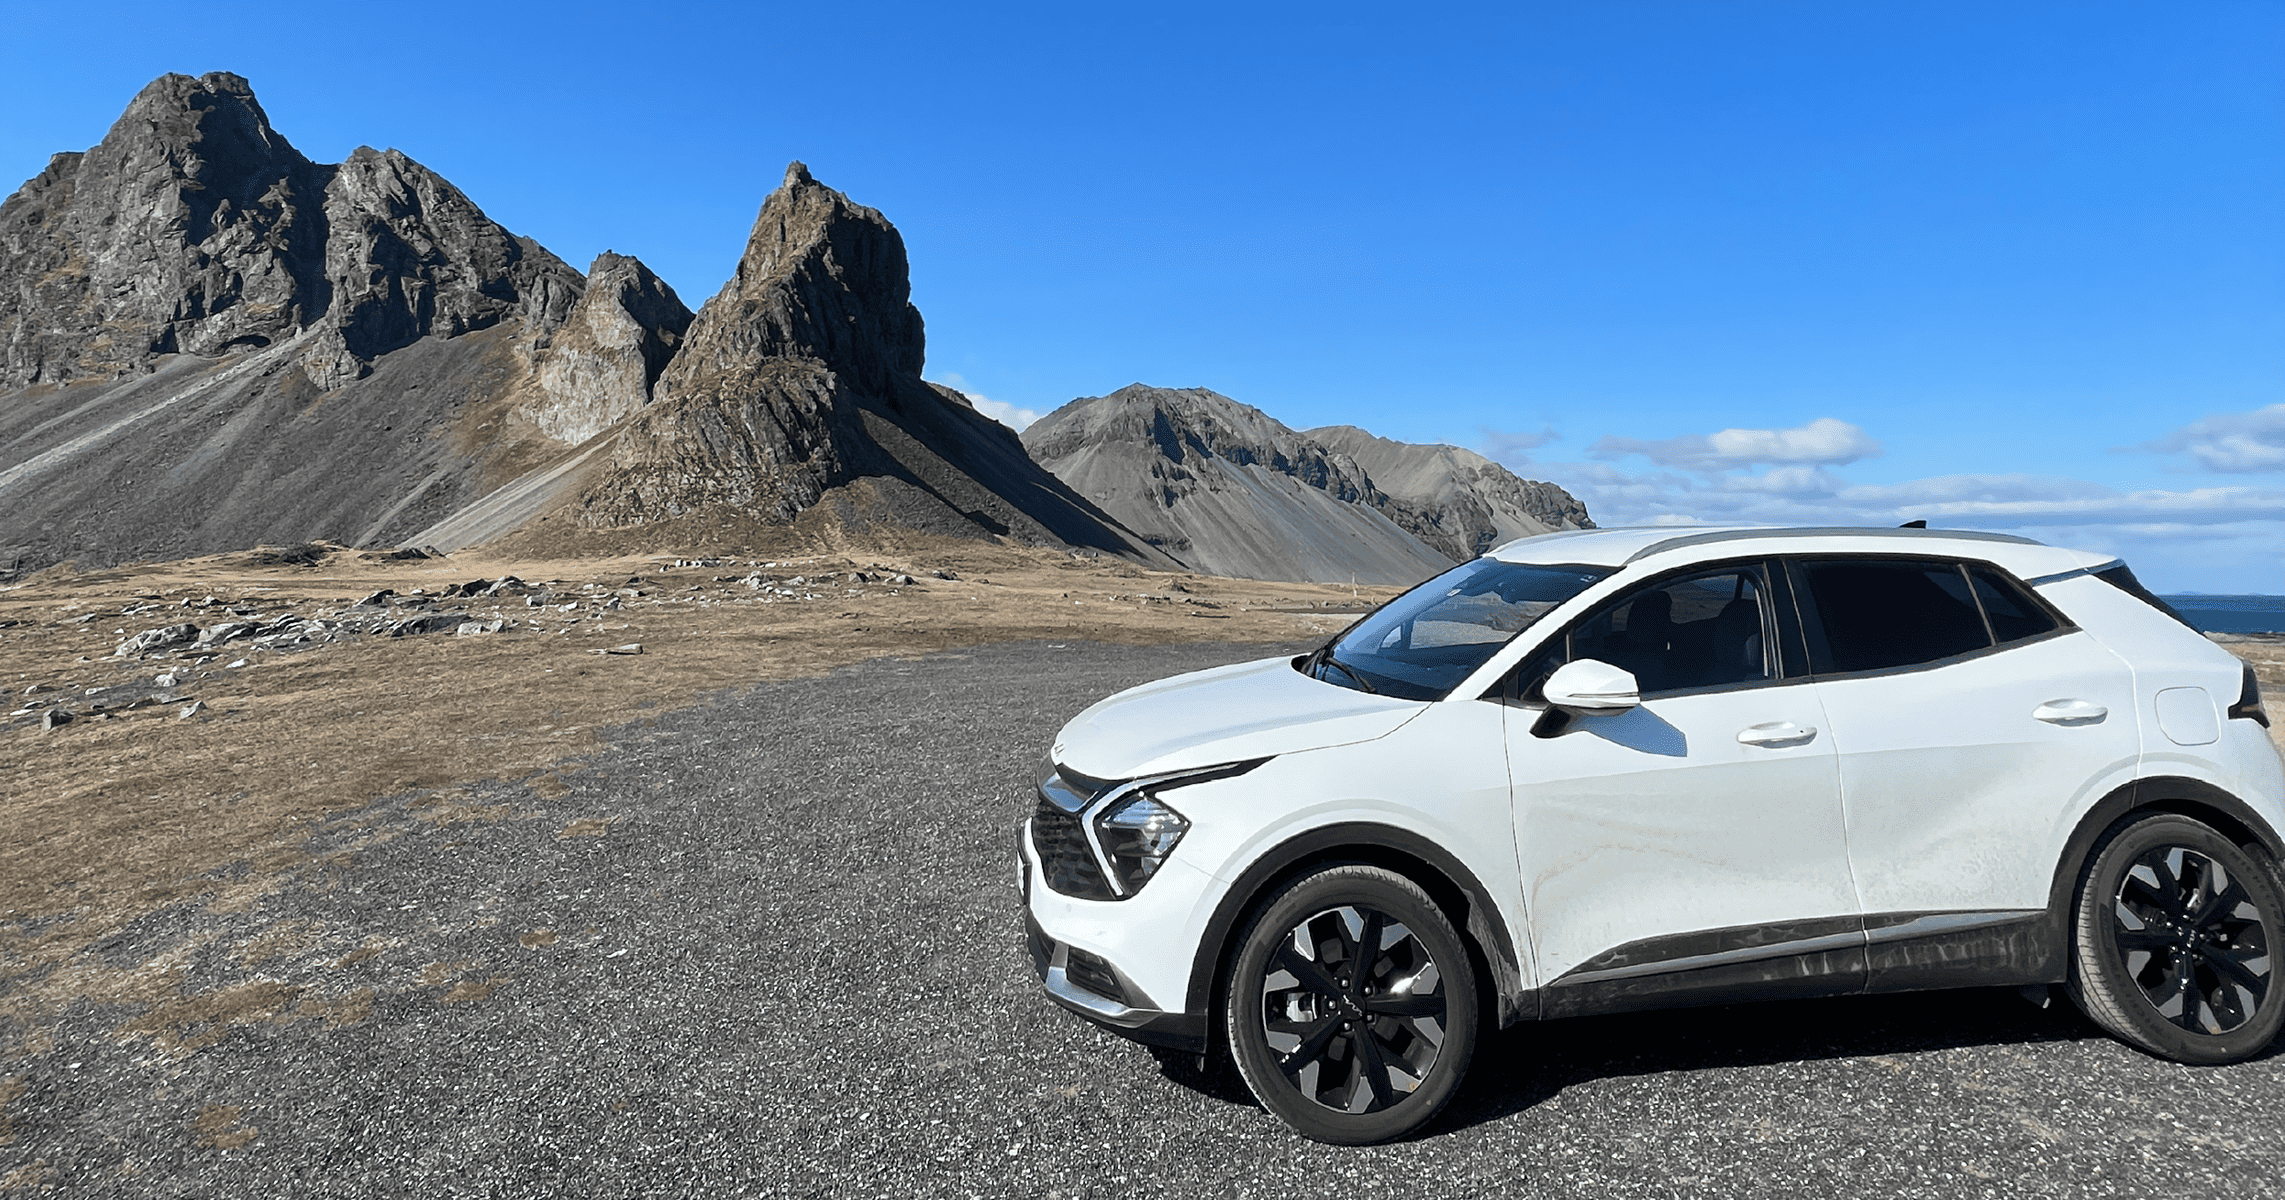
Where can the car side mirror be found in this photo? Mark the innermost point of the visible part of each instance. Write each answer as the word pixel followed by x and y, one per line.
pixel 1588 685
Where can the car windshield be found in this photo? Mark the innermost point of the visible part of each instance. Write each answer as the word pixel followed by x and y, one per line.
pixel 1423 643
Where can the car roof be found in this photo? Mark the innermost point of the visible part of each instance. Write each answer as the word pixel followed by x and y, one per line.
pixel 1660 546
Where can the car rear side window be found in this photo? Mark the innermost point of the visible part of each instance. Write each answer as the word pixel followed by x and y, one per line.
pixel 1878 615
pixel 2014 615
pixel 2123 579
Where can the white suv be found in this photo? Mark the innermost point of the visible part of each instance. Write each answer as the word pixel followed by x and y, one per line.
pixel 1613 770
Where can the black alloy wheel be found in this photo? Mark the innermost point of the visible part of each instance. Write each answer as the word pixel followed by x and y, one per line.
pixel 1352 1006
pixel 2175 934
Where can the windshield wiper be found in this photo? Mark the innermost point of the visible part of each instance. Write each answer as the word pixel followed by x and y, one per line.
pixel 1349 671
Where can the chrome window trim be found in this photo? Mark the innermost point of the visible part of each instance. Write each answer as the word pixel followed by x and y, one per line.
pixel 2060 576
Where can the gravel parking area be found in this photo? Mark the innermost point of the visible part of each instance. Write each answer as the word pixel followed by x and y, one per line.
pixel 769 946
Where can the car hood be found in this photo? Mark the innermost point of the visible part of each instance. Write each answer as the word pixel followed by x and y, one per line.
pixel 1247 710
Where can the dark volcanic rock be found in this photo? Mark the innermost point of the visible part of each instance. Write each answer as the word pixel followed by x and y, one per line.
pixel 800 382
pixel 1227 489
pixel 209 342
pixel 410 255
pixel 193 226
pixel 600 365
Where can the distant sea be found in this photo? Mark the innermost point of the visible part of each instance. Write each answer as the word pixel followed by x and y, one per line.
pixel 2232 614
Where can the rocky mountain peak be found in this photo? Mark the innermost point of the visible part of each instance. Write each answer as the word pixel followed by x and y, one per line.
pixel 191 227
pixel 821 279
pixel 194 227
pixel 410 255
pixel 1187 425
pixel 601 364
pixel 799 382
pixel 1229 489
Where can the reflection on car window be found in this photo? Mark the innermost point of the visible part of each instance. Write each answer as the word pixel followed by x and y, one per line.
pixel 1879 615
pixel 1419 645
pixel 1698 631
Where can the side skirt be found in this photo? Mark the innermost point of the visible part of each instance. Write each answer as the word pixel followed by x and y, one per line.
pixel 1840 956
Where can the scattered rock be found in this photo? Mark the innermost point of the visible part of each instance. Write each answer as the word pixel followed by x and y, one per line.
pixel 37 688
pixel 235 665
pixel 190 710
pixel 629 648
pixel 470 628
pixel 159 639
pixel 901 580
pixel 55 718
pixel 944 574
pixel 229 631
pixel 426 623
pixel 379 597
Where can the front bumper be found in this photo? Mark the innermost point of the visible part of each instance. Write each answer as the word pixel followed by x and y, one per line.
pixel 1093 986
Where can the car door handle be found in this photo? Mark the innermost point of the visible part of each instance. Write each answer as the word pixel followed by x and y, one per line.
pixel 1776 733
pixel 2070 712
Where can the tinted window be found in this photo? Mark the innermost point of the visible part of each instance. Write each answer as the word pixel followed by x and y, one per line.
pixel 2014 616
pixel 1700 631
pixel 1423 642
pixel 1877 615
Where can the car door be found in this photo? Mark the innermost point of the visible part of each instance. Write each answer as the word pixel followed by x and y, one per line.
pixel 1974 725
pixel 1689 848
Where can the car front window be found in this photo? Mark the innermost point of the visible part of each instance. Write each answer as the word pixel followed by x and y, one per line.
pixel 1423 643
pixel 1698 631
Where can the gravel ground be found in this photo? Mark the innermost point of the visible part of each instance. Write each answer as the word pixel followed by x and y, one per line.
pixel 769 946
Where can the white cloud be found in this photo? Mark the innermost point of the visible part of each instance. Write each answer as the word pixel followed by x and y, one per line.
pixel 1826 441
pixel 1802 495
pixel 1006 414
pixel 1514 448
pixel 2234 443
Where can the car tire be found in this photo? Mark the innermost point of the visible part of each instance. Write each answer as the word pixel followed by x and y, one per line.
pixel 2174 942
pixel 1343 1055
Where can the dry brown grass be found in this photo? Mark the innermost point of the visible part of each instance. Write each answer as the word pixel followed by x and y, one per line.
pixel 108 819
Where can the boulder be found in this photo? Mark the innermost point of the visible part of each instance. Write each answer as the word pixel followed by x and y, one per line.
pixel 159 639
pixel 426 623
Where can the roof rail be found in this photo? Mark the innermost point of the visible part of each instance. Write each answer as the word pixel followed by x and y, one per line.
pixel 1729 535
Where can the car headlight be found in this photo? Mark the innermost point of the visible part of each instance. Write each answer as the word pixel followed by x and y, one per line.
pixel 1136 835
pixel 1127 828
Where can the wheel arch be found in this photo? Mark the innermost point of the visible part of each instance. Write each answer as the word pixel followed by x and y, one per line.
pixel 1448 881
pixel 2160 794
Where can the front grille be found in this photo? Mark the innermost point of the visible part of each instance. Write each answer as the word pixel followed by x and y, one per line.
pixel 1093 973
pixel 1064 859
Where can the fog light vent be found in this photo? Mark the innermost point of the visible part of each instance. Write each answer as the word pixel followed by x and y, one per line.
pixel 1093 973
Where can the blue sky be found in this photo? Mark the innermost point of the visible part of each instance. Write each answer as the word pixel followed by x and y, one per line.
pixel 2007 265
